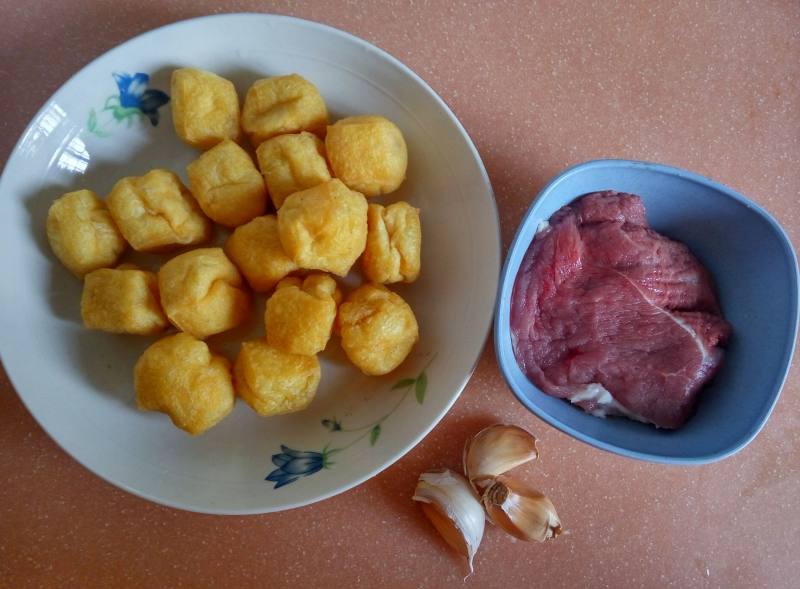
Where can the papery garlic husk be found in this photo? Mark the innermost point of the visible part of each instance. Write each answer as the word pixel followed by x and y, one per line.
pixel 451 506
pixel 521 511
pixel 494 451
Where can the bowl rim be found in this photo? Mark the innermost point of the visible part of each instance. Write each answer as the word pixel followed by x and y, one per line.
pixel 506 282
pixel 487 322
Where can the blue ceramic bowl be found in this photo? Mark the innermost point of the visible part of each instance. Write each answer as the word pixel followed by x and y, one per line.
pixel 755 270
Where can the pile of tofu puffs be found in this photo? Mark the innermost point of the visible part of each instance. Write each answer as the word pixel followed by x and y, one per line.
pixel 317 177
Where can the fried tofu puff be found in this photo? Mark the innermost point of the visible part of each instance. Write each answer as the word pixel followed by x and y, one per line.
pixel 205 107
pixel 180 376
pixel 156 212
pixel 122 300
pixel 324 227
pixel 283 104
pixel 203 293
pixel 227 185
pixel 82 234
pixel 368 153
pixel 394 240
pixel 256 250
pixel 273 382
pixel 378 329
pixel 291 163
pixel 300 314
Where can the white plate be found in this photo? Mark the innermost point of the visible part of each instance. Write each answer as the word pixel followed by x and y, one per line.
pixel 78 384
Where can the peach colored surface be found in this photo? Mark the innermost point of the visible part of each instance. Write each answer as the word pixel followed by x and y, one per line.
pixel 709 86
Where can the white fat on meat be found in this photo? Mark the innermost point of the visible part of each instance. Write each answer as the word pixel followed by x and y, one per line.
pixel 698 341
pixel 543 226
pixel 605 402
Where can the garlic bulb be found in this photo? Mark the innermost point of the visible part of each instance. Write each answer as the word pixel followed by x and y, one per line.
pixel 496 450
pixel 449 503
pixel 521 511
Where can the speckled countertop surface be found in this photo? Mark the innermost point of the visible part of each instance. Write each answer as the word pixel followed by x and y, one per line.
pixel 709 86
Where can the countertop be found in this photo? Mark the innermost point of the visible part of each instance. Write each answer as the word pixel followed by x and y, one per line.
pixel 708 86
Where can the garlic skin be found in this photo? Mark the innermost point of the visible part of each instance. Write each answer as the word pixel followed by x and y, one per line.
pixel 521 511
pixel 494 451
pixel 450 504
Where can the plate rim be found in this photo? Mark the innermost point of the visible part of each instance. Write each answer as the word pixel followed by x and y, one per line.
pixel 485 329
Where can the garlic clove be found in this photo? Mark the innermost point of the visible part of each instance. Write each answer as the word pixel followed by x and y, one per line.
pixel 451 506
pixel 494 451
pixel 521 511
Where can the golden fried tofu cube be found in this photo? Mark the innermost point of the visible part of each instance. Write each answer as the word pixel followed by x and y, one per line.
pixel 180 376
pixel 283 104
pixel 394 239
pixel 368 153
pixel 378 329
pixel 205 107
pixel 300 315
pixel 291 163
pixel 82 233
pixel 122 300
pixel 324 227
pixel 256 250
pixel 227 185
pixel 156 212
pixel 203 293
pixel 273 382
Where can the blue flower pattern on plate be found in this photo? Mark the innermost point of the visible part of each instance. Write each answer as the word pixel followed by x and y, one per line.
pixel 293 464
pixel 134 94
pixel 134 100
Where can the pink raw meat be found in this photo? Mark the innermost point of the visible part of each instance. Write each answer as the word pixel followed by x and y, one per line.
pixel 615 317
